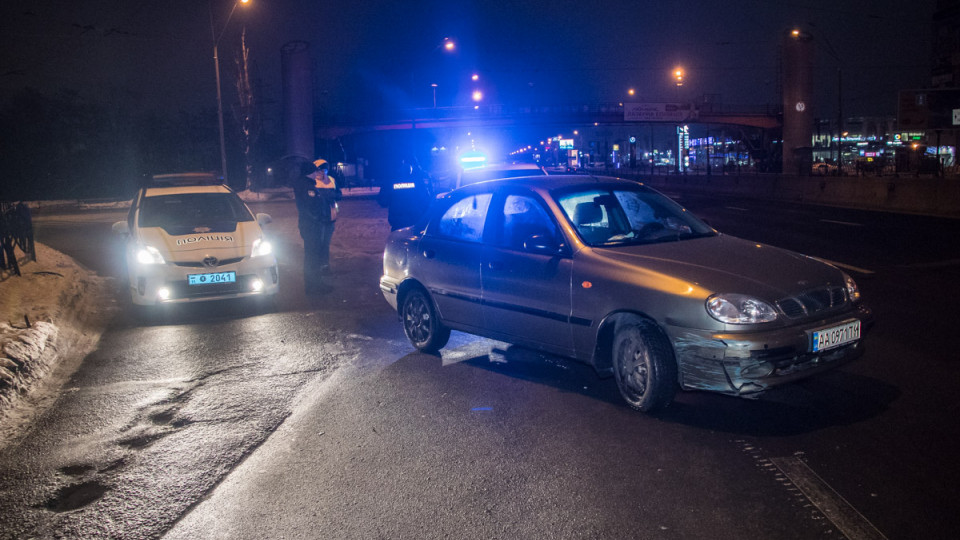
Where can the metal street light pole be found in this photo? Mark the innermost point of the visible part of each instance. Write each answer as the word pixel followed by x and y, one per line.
pixel 827 46
pixel 216 66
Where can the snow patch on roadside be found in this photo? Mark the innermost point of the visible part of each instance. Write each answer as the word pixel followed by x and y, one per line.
pixel 44 314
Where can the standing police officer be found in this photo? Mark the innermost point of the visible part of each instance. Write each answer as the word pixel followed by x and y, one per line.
pixel 316 193
pixel 407 197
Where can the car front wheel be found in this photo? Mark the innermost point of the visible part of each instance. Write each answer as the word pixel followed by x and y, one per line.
pixel 421 324
pixel 643 366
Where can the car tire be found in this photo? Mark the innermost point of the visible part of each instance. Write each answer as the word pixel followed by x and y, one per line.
pixel 644 366
pixel 421 323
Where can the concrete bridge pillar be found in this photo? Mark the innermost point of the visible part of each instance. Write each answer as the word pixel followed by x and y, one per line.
pixel 797 47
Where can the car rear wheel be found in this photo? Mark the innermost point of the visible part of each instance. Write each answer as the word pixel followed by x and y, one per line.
pixel 644 366
pixel 421 324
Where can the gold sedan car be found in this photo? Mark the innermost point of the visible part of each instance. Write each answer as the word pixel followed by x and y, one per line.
pixel 613 273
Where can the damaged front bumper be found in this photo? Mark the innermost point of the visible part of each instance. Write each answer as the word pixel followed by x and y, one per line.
pixel 746 364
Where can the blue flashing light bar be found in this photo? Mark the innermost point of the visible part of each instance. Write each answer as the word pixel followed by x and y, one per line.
pixel 473 160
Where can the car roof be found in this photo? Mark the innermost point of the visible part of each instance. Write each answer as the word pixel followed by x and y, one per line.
pixel 185 178
pixel 551 182
pixel 506 167
pixel 180 190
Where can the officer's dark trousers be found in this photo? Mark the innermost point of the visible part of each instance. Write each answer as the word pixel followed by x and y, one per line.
pixel 316 253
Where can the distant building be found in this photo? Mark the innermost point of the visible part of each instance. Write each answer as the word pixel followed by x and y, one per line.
pixel 945 60
pixel 928 119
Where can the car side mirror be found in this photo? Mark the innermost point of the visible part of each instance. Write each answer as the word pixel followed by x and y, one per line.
pixel 541 243
pixel 121 228
pixel 263 219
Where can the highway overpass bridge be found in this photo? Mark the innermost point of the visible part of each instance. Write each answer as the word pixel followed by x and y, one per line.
pixel 623 114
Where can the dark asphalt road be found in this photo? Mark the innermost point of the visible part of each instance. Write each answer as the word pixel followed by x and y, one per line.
pixel 318 421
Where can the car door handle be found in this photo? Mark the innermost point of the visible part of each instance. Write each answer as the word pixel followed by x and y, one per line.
pixel 429 254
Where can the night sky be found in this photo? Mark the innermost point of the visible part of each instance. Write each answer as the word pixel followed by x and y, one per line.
pixel 385 53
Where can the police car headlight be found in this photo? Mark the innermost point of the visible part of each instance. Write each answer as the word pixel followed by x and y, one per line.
pixel 149 255
pixel 261 247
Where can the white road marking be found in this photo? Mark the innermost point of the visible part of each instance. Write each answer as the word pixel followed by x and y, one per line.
pixel 847 223
pixel 841 513
pixel 848 266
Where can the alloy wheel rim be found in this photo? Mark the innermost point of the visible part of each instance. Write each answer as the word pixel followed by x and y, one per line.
pixel 634 372
pixel 417 320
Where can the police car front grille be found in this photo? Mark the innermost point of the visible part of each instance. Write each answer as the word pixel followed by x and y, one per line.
pixel 199 264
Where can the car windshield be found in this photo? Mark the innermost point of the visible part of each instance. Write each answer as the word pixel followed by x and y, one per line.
pixel 182 213
pixel 619 216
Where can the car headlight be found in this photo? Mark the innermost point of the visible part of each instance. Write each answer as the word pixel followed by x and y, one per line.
pixel 740 309
pixel 149 255
pixel 853 292
pixel 261 247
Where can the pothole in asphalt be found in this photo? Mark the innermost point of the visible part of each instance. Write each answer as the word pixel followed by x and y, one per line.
pixel 77 470
pixel 77 496
pixel 140 441
pixel 162 417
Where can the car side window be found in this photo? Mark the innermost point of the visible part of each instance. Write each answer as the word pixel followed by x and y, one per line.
pixel 591 219
pixel 464 220
pixel 523 217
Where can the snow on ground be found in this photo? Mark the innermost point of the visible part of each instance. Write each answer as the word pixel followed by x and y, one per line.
pixel 42 317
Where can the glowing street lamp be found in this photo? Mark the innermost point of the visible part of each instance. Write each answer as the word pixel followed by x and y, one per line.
pixel 448 45
pixel 678 75
pixel 631 92
pixel 216 65
pixel 477 95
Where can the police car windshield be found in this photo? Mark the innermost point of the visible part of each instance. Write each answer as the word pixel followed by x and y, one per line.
pixel 189 210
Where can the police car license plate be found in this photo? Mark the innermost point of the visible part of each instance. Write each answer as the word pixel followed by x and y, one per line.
pixel 835 336
pixel 209 279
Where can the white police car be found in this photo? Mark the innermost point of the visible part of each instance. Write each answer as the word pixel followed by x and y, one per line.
pixel 190 238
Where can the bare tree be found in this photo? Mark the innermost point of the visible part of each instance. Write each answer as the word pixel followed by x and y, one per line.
pixel 248 119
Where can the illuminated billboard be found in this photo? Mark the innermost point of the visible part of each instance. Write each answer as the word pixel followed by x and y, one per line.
pixel 659 112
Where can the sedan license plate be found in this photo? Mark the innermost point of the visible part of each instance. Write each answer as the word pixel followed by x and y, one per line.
pixel 209 279
pixel 835 336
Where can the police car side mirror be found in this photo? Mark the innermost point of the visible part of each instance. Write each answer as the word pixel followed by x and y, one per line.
pixel 263 219
pixel 121 228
